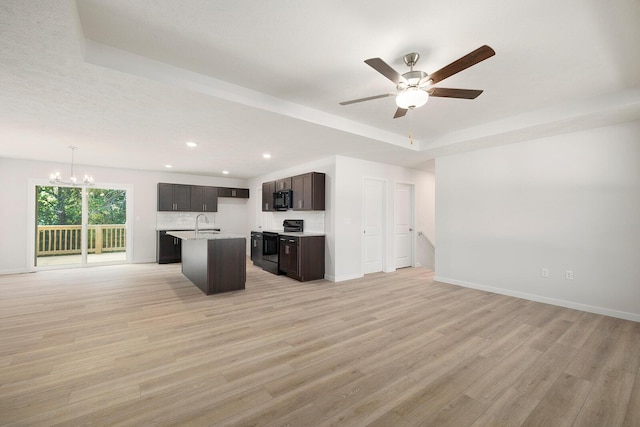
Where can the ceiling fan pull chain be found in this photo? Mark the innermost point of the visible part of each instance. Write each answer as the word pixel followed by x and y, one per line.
pixel 411 129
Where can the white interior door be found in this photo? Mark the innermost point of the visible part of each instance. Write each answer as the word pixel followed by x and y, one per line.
pixel 404 225
pixel 373 221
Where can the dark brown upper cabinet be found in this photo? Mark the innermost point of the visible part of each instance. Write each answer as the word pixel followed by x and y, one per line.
pixel 268 188
pixel 238 193
pixel 308 192
pixel 174 197
pixel 204 199
pixel 283 184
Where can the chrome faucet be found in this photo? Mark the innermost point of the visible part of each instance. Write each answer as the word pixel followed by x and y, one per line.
pixel 197 218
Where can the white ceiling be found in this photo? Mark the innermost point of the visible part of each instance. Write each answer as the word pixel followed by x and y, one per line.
pixel 129 82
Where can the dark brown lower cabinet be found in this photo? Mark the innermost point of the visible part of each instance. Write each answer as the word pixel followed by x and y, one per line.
pixel 168 248
pixel 256 248
pixel 302 258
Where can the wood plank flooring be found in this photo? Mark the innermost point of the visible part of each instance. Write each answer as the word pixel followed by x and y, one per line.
pixel 137 345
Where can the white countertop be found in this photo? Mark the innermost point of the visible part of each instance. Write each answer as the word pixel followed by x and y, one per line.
pixel 184 228
pixel 203 235
pixel 290 233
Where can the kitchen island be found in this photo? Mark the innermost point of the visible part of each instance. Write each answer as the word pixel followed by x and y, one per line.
pixel 214 262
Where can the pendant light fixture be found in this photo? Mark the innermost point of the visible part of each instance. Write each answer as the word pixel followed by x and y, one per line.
pixel 87 181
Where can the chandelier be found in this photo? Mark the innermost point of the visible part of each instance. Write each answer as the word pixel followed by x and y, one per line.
pixel 87 181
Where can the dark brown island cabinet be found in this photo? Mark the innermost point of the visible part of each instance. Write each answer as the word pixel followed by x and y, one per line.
pixel 215 265
pixel 168 248
pixel 302 258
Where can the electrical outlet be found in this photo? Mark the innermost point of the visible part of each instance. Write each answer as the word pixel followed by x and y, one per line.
pixel 568 275
pixel 544 272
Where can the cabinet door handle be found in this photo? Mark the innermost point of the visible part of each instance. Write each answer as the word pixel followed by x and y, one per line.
pixel 286 249
pixel 233 193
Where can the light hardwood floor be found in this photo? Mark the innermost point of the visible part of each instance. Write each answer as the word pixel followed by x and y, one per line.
pixel 139 345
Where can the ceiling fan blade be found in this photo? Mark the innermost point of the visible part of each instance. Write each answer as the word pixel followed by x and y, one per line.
pixel 385 69
pixel 400 112
pixel 454 93
pixel 478 55
pixel 368 98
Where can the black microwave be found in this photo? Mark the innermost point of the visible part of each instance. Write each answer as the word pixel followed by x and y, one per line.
pixel 283 200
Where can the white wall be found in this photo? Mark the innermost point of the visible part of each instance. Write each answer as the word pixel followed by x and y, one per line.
pixel 16 174
pixel 350 175
pixel 425 218
pixel 568 202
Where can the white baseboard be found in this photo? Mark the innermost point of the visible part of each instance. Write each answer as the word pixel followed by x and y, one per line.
pixel 145 261
pixel 343 278
pixel 7 272
pixel 538 298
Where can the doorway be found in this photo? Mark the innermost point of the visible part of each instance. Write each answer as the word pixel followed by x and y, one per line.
pixel 78 226
pixel 373 222
pixel 403 235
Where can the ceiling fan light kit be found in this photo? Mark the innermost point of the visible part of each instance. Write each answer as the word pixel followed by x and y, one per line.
pixel 413 88
pixel 412 97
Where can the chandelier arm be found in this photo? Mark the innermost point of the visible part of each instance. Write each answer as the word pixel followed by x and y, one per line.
pixel 55 177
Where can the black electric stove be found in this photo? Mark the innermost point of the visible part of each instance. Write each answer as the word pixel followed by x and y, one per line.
pixel 270 246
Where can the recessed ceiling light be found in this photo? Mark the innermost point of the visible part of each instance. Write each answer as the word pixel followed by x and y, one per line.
pixel 266 155
pixel 225 172
pixel 168 166
pixel 191 144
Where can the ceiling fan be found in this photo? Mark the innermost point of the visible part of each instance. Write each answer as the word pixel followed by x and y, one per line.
pixel 413 88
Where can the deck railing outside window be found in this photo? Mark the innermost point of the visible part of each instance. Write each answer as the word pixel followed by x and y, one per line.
pixel 66 239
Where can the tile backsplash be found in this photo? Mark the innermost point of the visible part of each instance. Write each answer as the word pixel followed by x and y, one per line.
pixel 313 220
pixel 183 220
